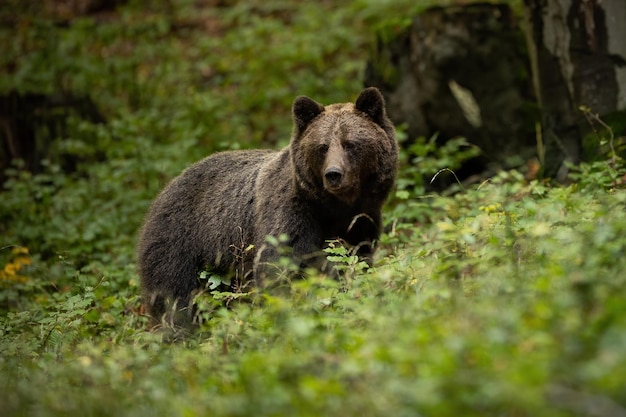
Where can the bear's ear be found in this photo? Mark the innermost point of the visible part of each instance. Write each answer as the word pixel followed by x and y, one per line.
pixel 304 111
pixel 372 103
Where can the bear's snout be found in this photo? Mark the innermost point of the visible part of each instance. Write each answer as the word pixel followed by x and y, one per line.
pixel 333 176
pixel 339 182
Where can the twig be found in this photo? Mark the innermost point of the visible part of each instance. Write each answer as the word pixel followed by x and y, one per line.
pixel 449 170
pixel 595 116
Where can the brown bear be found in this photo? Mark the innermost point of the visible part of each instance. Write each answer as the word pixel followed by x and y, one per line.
pixel 329 183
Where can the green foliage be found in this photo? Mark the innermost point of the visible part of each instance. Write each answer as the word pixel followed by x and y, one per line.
pixel 607 168
pixel 345 259
pixel 506 298
pixel 422 160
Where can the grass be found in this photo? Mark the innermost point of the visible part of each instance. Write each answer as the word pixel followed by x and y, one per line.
pixel 502 299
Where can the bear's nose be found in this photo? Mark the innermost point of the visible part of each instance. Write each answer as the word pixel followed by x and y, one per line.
pixel 333 175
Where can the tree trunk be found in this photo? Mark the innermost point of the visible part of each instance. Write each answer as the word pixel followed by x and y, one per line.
pixel 460 71
pixel 30 123
pixel 578 54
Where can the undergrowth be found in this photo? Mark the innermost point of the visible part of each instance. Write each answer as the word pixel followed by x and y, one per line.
pixel 503 298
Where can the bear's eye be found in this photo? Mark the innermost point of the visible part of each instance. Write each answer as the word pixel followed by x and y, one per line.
pixel 322 149
pixel 350 145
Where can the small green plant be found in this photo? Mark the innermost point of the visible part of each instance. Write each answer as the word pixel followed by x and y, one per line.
pixel 424 159
pixel 608 170
pixel 422 162
pixel 345 259
pixel 214 281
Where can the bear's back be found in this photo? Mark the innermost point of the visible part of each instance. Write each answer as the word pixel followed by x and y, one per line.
pixel 212 198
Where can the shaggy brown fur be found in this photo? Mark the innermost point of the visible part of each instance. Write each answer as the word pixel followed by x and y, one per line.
pixel 329 183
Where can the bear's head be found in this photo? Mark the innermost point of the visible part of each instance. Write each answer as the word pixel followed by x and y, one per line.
pixel 346 152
